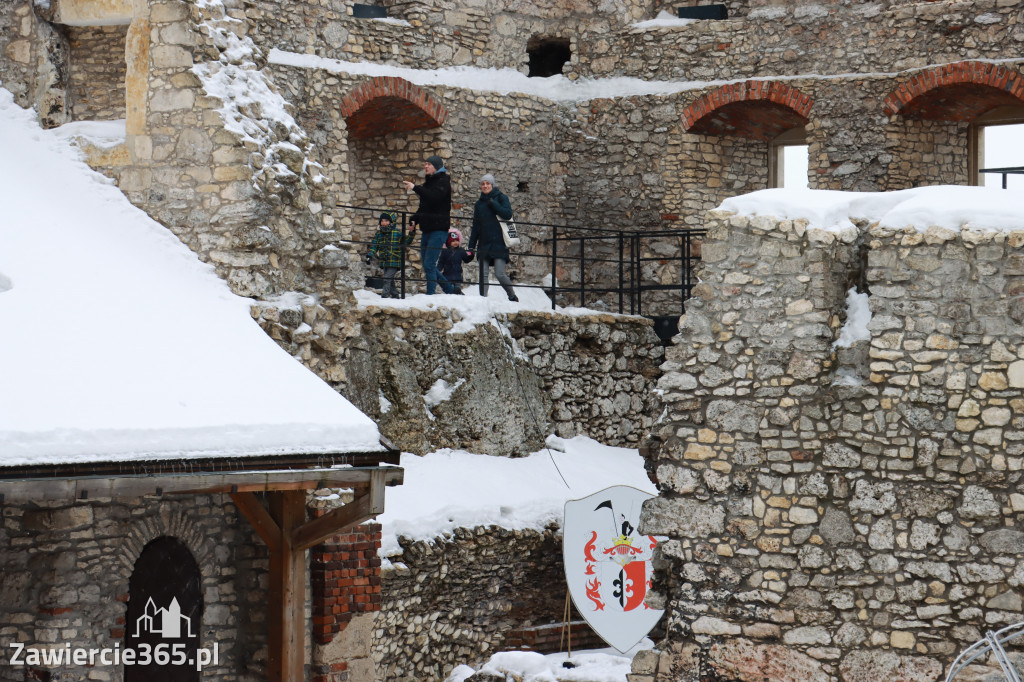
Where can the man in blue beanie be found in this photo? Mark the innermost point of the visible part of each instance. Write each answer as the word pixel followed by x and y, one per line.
pixel 433 218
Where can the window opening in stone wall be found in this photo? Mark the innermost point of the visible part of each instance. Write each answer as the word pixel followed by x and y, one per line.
pixel 97 72
pixel 547 56
pixel 165 607
pixel 703 12
pixel 999 143
pixel 789 160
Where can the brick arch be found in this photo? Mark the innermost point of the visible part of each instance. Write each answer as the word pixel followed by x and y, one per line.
pixel 390 105
pixel 956 92
pixel 754 109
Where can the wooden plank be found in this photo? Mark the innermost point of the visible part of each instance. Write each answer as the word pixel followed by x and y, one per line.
pixel 95 487
pixel 260 519
pixel 367 504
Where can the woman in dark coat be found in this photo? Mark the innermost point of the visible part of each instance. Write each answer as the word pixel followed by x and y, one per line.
pixel 486 241
pixel 434 218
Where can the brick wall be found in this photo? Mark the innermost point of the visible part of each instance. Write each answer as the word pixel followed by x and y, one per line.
pixel 345 577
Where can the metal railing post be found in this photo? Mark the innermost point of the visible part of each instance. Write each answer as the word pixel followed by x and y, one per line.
pixel 554 260
pixel 403 249
pixel 632 276
pixel 583 277
pixel 639 277
pixel 684 272
pixel 621 266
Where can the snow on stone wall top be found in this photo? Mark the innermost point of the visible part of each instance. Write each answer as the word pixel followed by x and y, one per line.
pixel 118 344
pixel 954 208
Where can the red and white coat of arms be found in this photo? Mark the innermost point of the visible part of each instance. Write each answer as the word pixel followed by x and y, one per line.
pixel 608 564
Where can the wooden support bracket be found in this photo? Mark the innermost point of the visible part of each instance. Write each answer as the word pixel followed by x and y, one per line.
pixel 287 535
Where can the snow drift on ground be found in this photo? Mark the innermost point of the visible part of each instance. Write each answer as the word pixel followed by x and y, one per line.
pixel 119 344
pixel 946 206
pixel 470 308
pixel 594 665
pixel 452 489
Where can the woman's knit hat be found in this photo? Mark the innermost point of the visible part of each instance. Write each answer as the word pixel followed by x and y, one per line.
pixel 488 178
pixel 435 161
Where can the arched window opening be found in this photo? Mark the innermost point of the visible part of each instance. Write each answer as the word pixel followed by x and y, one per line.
pixel 165 609
pixel 998 140
pixel 547 56
pixel 788 160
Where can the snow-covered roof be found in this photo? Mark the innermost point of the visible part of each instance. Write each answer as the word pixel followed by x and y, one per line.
pixel 118 344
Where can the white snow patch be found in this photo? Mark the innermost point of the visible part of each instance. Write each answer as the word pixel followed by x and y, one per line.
pixel 385 404
pixel 102 134
pixel 951 207
pixel 588 665
pixel 514 493
pixel 440 392
pixel 470 309
pixel 663 20
pixel 391 20
pixel 858 315
pixel 250 105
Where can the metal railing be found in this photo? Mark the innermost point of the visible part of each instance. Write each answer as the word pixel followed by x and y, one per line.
pixel 993 643
pixel 1005 172
pixel 584 264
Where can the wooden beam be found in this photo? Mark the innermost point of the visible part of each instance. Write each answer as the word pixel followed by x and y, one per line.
pixel 286 651
pixel 367 504
pixel 95 487
pixel 260 519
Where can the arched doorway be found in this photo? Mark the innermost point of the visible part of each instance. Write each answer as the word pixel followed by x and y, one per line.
pixel 751 125
pixel 943 118
pixel 165 609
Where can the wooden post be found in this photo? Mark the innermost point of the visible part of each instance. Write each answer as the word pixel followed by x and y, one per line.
pixel 286 646
pixel 288 535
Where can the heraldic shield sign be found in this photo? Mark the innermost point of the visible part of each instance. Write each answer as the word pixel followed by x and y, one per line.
pixel 608 564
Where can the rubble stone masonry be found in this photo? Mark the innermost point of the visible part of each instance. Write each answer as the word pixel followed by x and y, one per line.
pixel 840 513
pixel 65 571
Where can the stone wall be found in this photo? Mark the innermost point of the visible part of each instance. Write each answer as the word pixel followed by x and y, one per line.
pixel 97 73
pixel 65 570
pixel 482 33
pixel 267 215
pixel 570 375
pixel 459 599
pixel 763 39
pixel 861 528
pixel 34 66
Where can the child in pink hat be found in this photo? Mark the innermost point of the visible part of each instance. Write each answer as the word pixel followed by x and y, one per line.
pixel 452 258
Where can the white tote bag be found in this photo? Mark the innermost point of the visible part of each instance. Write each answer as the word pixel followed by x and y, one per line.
pixel 509 232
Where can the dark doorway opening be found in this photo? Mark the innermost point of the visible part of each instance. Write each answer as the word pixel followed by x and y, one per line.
pixel 547 56
pixel 165 609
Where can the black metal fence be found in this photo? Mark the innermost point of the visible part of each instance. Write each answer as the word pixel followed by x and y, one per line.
pixel 637 271
pixel 1005 172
